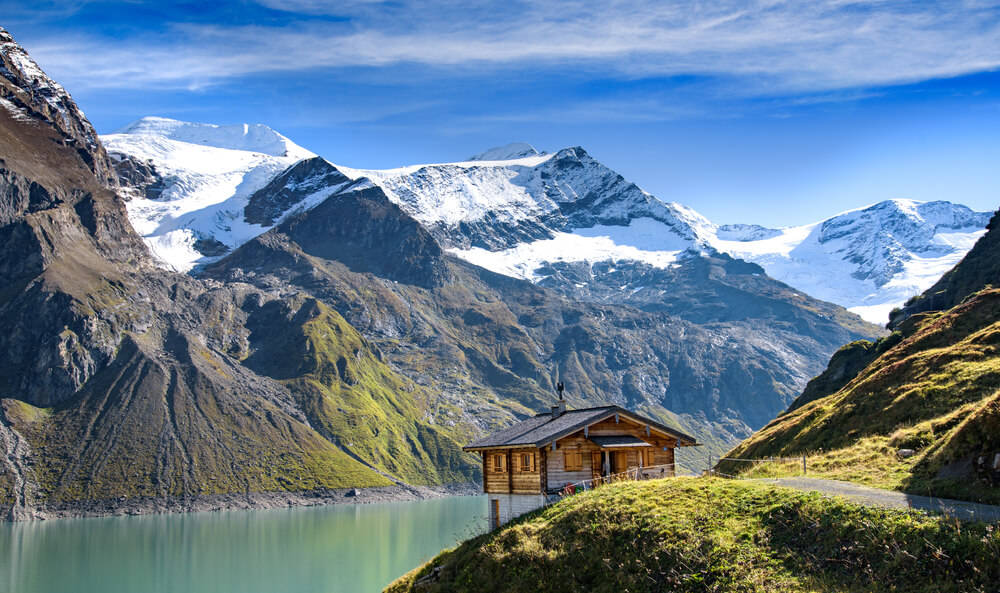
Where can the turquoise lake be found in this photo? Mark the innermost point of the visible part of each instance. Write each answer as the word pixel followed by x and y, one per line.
pixel 332 549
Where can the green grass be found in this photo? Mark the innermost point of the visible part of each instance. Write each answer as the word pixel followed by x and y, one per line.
pixel 936 391
pixel 361 403
pixel 702 535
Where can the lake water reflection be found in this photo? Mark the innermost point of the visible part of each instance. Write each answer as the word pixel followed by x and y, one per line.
pixel 333 549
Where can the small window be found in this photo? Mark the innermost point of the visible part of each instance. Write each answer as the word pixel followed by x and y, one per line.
pixel 527 462
pixel 573 460
pixel 499 461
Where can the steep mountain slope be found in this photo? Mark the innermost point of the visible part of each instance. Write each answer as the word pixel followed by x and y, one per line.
pixel 644 331
pixel 716 360
pixel 123 381
pixel 28 94
pixel 932 386
pixel 873 259
pixel 515 211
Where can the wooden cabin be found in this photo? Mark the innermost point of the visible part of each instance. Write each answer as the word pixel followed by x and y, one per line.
pixel 537 458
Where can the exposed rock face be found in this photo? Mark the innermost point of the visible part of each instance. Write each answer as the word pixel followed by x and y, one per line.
pixel 362 229
pixel 122 380
pixel 287 190
pixel 28 93
pixel 137 178
pixel 979 268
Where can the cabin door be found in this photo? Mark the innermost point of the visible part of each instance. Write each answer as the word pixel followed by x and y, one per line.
pixel 619 462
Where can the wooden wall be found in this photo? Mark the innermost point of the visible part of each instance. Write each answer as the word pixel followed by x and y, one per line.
pixel 514 478
pixel 550 468
pixel 558 476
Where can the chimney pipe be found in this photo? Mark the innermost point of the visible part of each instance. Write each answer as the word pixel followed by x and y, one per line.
pixel 560 407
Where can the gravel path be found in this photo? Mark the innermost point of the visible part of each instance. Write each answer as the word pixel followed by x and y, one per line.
pixel 891 499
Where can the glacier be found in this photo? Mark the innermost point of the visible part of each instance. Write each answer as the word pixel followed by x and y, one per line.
pixel 514 209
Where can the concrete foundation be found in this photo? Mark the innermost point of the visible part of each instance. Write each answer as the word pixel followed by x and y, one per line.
pixel 504 507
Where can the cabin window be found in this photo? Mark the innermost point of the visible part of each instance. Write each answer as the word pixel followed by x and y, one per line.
pixel 527 462
pixel 573 460
pixel 499 463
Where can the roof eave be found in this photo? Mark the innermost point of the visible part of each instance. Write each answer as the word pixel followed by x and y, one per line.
pixel 680 436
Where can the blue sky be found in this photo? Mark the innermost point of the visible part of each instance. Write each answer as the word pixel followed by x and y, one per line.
pixel 769 112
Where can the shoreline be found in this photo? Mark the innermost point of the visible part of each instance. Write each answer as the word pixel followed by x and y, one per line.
pixel 245 501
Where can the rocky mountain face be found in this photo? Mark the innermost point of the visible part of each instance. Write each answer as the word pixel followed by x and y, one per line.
pixel 515 211
pixel 27 92
pixel 123 382
pixel 651 308
pixel 930 387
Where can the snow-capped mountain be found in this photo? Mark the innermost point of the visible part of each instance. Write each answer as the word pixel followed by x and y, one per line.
pixel 532 204
pixel 517 211
pixel 868 260
pixel 198 179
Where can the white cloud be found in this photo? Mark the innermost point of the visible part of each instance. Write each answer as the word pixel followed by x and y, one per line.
pixel 768 46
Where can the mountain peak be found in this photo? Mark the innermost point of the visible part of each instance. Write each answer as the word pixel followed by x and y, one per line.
pixel 248 137
pixel 514 150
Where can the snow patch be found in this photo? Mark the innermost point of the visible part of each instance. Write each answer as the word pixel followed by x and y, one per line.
pixel 644 240
pixel 245 137
pixel 207 187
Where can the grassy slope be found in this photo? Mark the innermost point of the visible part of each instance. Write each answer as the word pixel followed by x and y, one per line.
pixel 936 391
pixel 359 401
pixel 688 535
pixel 113 441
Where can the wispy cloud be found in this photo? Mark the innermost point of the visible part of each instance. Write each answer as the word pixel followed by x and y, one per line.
pixel 764 46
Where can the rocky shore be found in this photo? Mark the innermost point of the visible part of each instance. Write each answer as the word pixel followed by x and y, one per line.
pixel 250 500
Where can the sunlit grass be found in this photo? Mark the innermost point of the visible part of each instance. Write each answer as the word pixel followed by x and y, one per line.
pixel 708 534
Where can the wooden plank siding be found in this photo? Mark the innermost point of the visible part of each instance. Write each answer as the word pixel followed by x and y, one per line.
pixel 513 478
pixel 558 475
pixel 549 471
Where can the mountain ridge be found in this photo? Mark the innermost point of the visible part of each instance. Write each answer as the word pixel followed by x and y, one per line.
pixel 931 388
pixel 125 382
pixel 515 216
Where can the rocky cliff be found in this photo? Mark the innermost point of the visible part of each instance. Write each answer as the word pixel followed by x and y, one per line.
pixel 124 382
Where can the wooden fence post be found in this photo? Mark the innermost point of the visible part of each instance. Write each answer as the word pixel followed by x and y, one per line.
pixel 803 465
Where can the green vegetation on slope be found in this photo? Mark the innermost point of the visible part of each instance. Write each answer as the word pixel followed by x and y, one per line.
pixel 978 269
pixel 115 441
pixel 937 391
pixel 354 398
pixel 700 535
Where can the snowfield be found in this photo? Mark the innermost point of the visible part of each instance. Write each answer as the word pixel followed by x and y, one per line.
pixel 210 172
pixel 513 209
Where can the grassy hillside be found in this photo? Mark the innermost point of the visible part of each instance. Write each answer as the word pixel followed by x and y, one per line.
pixel 352 396
pixel 936 391
pixel 688 535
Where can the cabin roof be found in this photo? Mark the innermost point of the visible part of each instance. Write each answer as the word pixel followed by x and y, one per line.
pixel 542 429
pixel 623 440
